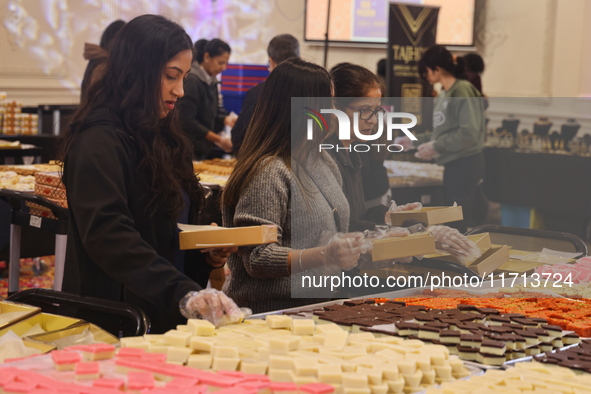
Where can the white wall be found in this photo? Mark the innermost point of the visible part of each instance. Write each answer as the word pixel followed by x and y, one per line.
pixel 532 48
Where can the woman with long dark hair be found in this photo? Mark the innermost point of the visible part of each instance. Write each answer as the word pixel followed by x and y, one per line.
pixel 129 177
pixel 202 115
pixel 285 181
pixel 458 133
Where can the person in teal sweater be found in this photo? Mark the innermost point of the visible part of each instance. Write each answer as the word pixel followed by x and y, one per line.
pixel 458 133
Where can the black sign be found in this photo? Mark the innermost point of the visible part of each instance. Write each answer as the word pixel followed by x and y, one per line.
pixel 411 31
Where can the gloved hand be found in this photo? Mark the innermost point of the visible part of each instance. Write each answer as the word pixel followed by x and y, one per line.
pixel 404 141
pixel 214 306
pixel 426 151
pixel 413 206
pixel 343 250
pixel 451 241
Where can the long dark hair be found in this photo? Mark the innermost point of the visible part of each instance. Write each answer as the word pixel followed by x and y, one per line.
pixel 273 133
pixel 352 81
pixel 439 56
pixel 130 88
pixel 215 47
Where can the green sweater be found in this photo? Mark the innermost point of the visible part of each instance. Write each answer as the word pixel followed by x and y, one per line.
pixel 458 123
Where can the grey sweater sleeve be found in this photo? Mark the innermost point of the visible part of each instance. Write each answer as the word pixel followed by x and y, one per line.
pixel 266 201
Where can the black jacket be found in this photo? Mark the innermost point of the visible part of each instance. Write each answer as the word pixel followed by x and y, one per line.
pixel 116 249
pixel 201 111
pixel 350 167
pixel 239 129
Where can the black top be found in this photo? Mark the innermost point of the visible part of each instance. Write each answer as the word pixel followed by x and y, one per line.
pixel 374 176
pixel 350 167
pixel 239 129
pixel 116 249
pixel 201 112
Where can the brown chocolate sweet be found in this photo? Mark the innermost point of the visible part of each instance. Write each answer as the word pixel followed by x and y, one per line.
pixel 438 325
pixel 423 317
pixel 499 319
pixel 490 343
pixel 488 311
pixel 471 337
pixel 449 333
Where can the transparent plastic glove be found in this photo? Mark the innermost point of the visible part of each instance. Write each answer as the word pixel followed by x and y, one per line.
pixel 388 232
pixel 451 241
pixel 214 306
pixel 230 120
pixel 225 143
pixel 404 141
pixel 426 151
pixel 343 250
pixel 413 206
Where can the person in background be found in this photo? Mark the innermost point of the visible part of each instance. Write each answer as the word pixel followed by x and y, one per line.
pixel 98 54
pixel 358 90
pixel 284 182
pixel 458 133
pixel 381 73
pixel 129 176
pixel 281 48
pixel 474 69
pixel 202 116
pixel 376 185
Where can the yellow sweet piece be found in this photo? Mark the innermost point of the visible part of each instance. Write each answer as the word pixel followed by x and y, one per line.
pixel 396 386
pixel 224 352
pixel 200 361
pixel 284 343
pixel 379 389
pixel 413 380
pixel 389 371
pixel 303 327
pixel 374 376
pixel 428 377
pixel 356 391
pixel 277 362
pixel 299 380
pixel 328 373
pixel 178 338
pixel 202 344
pixel 152 348
pixel 278 321
pixel 407 367
pixel 336 340
pixel 225 364
pixel 178 354
pixel 305 367
pixel 352 380
pixel 281 375
pixel 254 367
pixel 200 327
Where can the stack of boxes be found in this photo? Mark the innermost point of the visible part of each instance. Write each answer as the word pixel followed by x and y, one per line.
pixel 48 185
pixel 13 121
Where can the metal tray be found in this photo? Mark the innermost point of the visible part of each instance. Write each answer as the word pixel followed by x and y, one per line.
pixel 391 294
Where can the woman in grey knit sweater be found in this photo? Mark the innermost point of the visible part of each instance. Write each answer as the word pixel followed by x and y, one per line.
pixel 280 179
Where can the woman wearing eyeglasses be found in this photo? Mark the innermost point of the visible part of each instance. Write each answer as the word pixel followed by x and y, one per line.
pixel 357 90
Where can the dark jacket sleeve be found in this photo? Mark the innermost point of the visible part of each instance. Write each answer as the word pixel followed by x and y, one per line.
pixel 239 130
pixel 189 105
pixel 220 118
pixel 98 171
